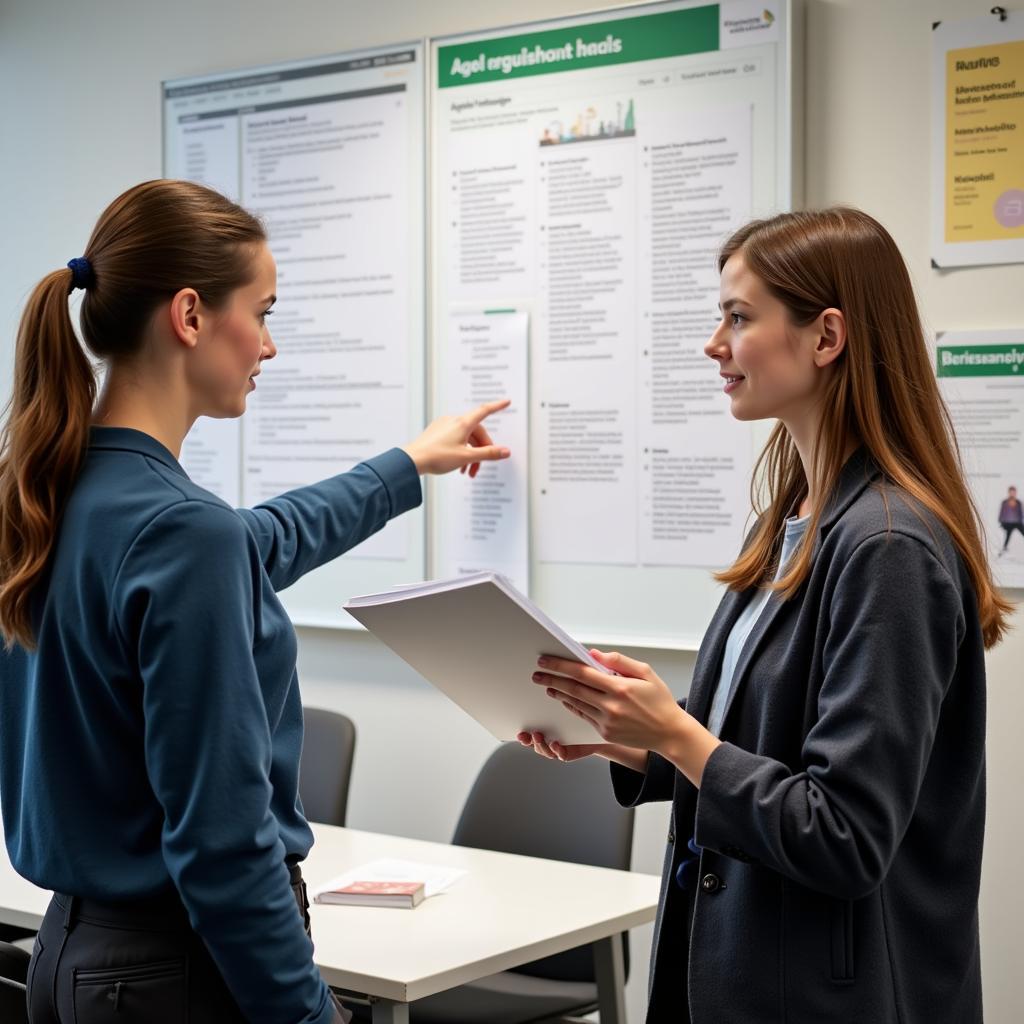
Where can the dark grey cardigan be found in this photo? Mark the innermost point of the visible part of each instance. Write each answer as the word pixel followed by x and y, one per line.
pixel 842 817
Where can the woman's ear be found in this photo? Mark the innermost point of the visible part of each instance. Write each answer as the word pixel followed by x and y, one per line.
pixel 186 316
pixel 831 330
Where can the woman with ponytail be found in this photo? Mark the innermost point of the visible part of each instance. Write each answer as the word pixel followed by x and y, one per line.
pixel 827 769
pixel 150 718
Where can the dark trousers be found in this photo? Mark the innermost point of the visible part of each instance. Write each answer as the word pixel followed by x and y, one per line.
pixel 139 963
pixel 1009 528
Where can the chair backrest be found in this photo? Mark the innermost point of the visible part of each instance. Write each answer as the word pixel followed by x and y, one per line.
pixel 328 747
pixel 13 972
pixel 522 803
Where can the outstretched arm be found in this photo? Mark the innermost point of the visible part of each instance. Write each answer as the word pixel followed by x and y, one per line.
pixel 307 527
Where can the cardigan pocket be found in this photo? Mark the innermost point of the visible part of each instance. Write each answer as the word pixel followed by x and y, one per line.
pixel 841 921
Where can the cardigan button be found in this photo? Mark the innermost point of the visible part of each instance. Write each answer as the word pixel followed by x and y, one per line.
pixel 711 883
pixel 671 838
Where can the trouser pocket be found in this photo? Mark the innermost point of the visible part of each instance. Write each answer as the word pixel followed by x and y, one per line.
pixel 842 940
pixel 147 993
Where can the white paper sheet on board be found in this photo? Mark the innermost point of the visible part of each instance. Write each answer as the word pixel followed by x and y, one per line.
pixel 486 519
pixel 334 196
pixel 640 459
pixel 323 153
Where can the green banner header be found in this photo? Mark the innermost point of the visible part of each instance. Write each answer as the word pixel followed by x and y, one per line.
pixel 595 44
pixel 980 361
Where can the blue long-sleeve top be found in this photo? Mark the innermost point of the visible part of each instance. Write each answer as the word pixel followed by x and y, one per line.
pixel 152 738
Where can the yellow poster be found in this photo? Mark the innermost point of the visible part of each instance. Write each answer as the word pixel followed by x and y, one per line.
pixel 979 200
pixel 985 143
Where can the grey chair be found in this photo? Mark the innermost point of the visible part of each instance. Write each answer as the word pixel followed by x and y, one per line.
pixel 328 747
pixel 13 972
pixel 524 804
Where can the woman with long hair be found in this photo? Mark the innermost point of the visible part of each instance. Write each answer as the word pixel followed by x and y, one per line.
pixel 150 718
pixel 826 770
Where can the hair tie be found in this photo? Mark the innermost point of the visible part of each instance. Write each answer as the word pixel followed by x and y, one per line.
pixel 81 273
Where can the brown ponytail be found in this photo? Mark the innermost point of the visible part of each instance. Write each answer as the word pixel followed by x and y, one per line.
pixel 42 444
pixel 155 239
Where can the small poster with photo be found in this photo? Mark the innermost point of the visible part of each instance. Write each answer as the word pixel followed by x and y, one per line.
pixel 981 376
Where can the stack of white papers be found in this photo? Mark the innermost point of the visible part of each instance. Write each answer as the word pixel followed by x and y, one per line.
pixel 477 639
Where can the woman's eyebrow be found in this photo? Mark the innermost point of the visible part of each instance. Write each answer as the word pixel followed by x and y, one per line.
pixel 729 303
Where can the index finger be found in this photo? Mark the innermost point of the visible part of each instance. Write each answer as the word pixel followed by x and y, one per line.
pixel 481 412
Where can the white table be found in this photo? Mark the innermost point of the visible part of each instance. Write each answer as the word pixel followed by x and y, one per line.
pixel 506 911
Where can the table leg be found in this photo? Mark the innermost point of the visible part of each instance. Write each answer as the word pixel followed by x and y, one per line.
pixel 611 980
pixel 385 1011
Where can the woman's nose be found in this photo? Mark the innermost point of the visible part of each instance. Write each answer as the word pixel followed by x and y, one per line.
pixel 715 346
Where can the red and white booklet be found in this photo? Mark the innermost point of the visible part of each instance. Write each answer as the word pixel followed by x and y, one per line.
pixel 387 883
pixel 375 894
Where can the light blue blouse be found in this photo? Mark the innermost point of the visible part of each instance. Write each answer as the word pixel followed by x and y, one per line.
pixel 794 531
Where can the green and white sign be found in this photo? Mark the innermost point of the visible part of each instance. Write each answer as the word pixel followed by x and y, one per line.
pixel 980 360
pixel 981 377
pixel 597 44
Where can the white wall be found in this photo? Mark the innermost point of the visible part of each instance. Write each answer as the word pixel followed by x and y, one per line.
pixel 79 88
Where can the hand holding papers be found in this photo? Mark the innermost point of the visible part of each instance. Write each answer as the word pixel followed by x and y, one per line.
pixel 477 639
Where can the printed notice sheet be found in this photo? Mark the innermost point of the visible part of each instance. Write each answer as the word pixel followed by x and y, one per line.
pixel 486 520
pixel 323 152
pixel 981 375
pixel 589 174
pixel 978 141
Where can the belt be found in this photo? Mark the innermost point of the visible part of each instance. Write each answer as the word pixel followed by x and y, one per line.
pixel 162 912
